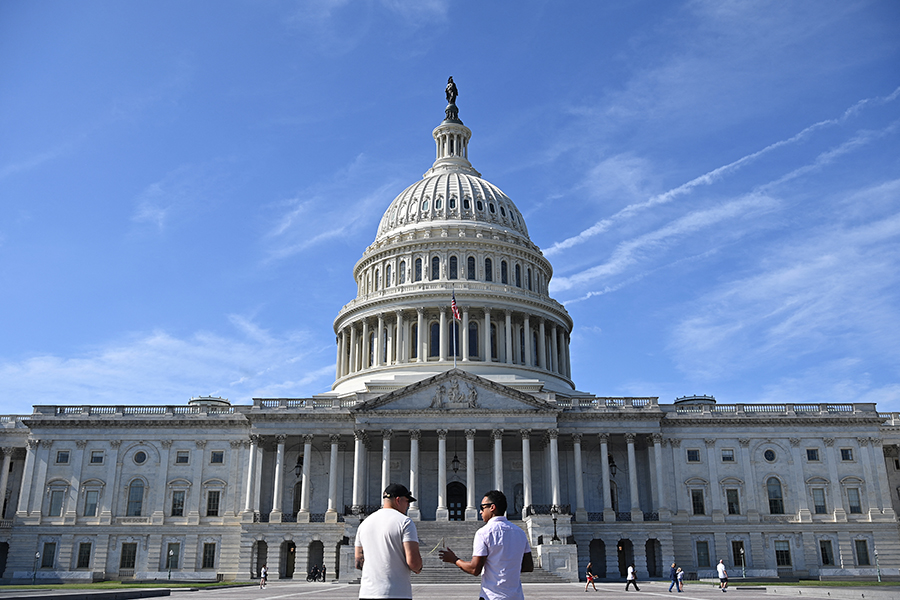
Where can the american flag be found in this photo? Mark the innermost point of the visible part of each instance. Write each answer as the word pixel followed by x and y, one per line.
pixel 453 308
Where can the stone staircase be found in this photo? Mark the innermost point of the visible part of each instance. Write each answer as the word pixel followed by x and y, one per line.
pixel 458 535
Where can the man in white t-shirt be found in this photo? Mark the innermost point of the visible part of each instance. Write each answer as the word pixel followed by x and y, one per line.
pixel 500 550
pixel 723 576
pixel 387 548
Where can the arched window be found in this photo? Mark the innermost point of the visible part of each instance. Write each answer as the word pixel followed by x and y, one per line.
pixel 402 272
pixel 488 270
pixel 387 276
pixel 438 203
pixel 504 273
pixel 776 500
pixel 435 341
pixel 470 268
pixel 435 268
pixel 473 339
pixel 529 280
pixel 452 203
pixel 466 204
pixel 518 276
pixel 413 341
pixel 454 270
pixel 418 273
pixel 135 499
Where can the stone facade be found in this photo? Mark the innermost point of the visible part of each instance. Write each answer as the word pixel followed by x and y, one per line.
pixel 452 407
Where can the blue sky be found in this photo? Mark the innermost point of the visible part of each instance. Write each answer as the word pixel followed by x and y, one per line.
pixel 186 186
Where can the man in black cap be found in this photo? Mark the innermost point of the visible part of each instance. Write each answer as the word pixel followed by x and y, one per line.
pixel 387 548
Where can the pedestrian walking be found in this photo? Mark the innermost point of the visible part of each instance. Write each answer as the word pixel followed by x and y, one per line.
pixel 631 579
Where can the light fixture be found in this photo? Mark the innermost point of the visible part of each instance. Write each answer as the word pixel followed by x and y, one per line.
pixel 454 464
pixel 613 469
pixel 298 468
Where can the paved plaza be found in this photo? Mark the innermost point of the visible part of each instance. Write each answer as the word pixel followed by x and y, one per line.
pixel 653 589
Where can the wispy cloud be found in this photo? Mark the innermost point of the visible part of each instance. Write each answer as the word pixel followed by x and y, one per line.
pixel 32 161
pixel 179 193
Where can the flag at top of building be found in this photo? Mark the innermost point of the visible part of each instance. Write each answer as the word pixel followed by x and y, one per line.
pixel 453 308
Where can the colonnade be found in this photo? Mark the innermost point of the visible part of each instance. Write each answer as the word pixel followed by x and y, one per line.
pixel 503 336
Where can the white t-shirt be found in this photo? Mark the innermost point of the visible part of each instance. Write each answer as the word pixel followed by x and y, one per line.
pixel 630 574
pixel 721 570
pixel 504 545
pixel 385 573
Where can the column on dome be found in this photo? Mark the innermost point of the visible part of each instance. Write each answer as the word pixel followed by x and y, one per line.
pixel 608 514
pixel 580 513
pixel 306 482
pixel 508 336
pixel 251 473
pixel 527 326
pixel 442 513
pixel 331 513
pixel 553 434
pixel 414 435
pixel 542 346
pixel 420 335
pixel 339 342
pixel 497 436
pixel 358 457
pixel 486 334
pixel 636 512
pixel 465 334
pixel 442 350
pixel 398 339
pixel 386 435
pixel 565 352
pixel 554 349
pixel 365 355
pixel 354 354
pixel 380 342
pixel 345 352
pixel 277 492
pixel 526 470
pixel 471 512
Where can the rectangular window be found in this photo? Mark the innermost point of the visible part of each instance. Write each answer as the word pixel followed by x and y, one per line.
pixel 56 502
pixel 734 504
pixel 48 556
pixel 826 552
pixel 172 555
pixel 737 553
pixel 862 552
pixel 693 455
pixel 897 464
pixel 217 457
pixel 727 455
pixel 697 502
pixel 853 500
pixel 818 495
pixel 129 554
pixel 178 503
pixel 182 457
pixel 96 457
pixel 782 553
pixel 84 556
pixel 846 454
pixel 62 457
pixel 91 498
pixel 812 454
pixel 702 554
pixel 209 556
pixel 212 503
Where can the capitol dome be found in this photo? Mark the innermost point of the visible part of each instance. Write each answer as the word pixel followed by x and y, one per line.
pixel 452 235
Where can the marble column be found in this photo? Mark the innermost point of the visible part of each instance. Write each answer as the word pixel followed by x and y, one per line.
pixel 487 335
pixel 420 336
pixel 526 470
pixel 443 338
pixel 542 346
pixel 660 481
pixel 497 436
pixel 804 515
pixel 871 496
pixel 715 502
pixel 442 513
pixel 832 459
pixel 366 348
pixel 464 349
pixel 608 514
pixel 380 343
pixel 251 473
pixel 354 353
pixel 580 512
pixel 507 330
pixel 358 457
pixel 386 435
pixel 4 476
pixel 553 434
pixel 345 352
pixel 884 488
pixel 331 513
pixel 528 356
pixel 636 512
pixel 337 362
pixel 472 513
pixel 278 491
pixel 306 486
pixel 554 349
pixel 401 349
pixel 414 435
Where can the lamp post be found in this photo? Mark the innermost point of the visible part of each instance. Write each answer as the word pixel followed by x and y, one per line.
pixel 877 567
pixel 37 557
pixel 553 511
pixel 743 569
pixel 171 554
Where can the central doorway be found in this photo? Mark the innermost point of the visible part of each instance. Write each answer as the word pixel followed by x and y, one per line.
pixel 456 501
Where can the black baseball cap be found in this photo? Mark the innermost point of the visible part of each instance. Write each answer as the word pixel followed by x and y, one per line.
pixel 397 490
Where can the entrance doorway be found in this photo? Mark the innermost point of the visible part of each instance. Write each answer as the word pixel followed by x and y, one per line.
pixel 288 558
pixel 456 501
pixel 262 555
pixel 316 556
pixel 598 558
pixel 626 556
pixel 654 558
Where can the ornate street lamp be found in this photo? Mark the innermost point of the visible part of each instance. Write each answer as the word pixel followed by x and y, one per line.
pixel 298 468
pixel 613 469
pixel 743 569
pixel 171 554
pixel 37 557
pixel 454 464
pixel 553 513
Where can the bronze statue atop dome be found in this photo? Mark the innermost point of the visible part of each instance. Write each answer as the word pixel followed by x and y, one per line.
pixel 452 111
pixel 452 92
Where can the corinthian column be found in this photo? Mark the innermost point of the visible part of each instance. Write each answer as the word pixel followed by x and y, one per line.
pixel 580 513
pixel 4 476
pixel 636 513
pixel 608 513
pixel 442 338
pixel 526 470
pixel 386 435
pixel 420 336
pixel 471 512
pixel 379 342
pixel 497 435
pixel 414 435
pixel 488 357
pixel 331 513
pixel 251 473
pixel 554 465
pixel 275 514
pixel 542 346
pixel 464 349
pixel 507 330
pixel 442 513
pixel 358 449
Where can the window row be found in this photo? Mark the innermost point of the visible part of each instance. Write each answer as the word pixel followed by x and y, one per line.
pixel 420 269
pixel 140 457
pixel 415 207
pixel 693 455
pixel 127 555
pixel 136 494
pixel 775 499
pixel 782 550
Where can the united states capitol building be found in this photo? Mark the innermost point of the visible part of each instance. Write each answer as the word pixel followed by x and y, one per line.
pixel 451 407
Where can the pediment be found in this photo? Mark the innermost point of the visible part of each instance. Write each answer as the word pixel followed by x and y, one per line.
pixel 456 390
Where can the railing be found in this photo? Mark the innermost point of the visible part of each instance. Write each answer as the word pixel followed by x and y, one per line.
pixel 596 517
pixel 316 517
pixel 288 517
pixel 126 573
pixel 364 511
pixel 651 516
pixel 64 411
pixel 6 523
pixel 548 509
pixel 623 516
pixel 756 409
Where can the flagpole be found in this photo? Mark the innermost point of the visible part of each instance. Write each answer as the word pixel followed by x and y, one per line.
pixel 455 327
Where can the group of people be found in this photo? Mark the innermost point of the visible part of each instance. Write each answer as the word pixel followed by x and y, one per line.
pixel 317 573
pixel 676 576
pixel 387 550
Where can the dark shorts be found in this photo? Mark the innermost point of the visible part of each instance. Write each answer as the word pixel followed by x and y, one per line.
pixel 723 580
